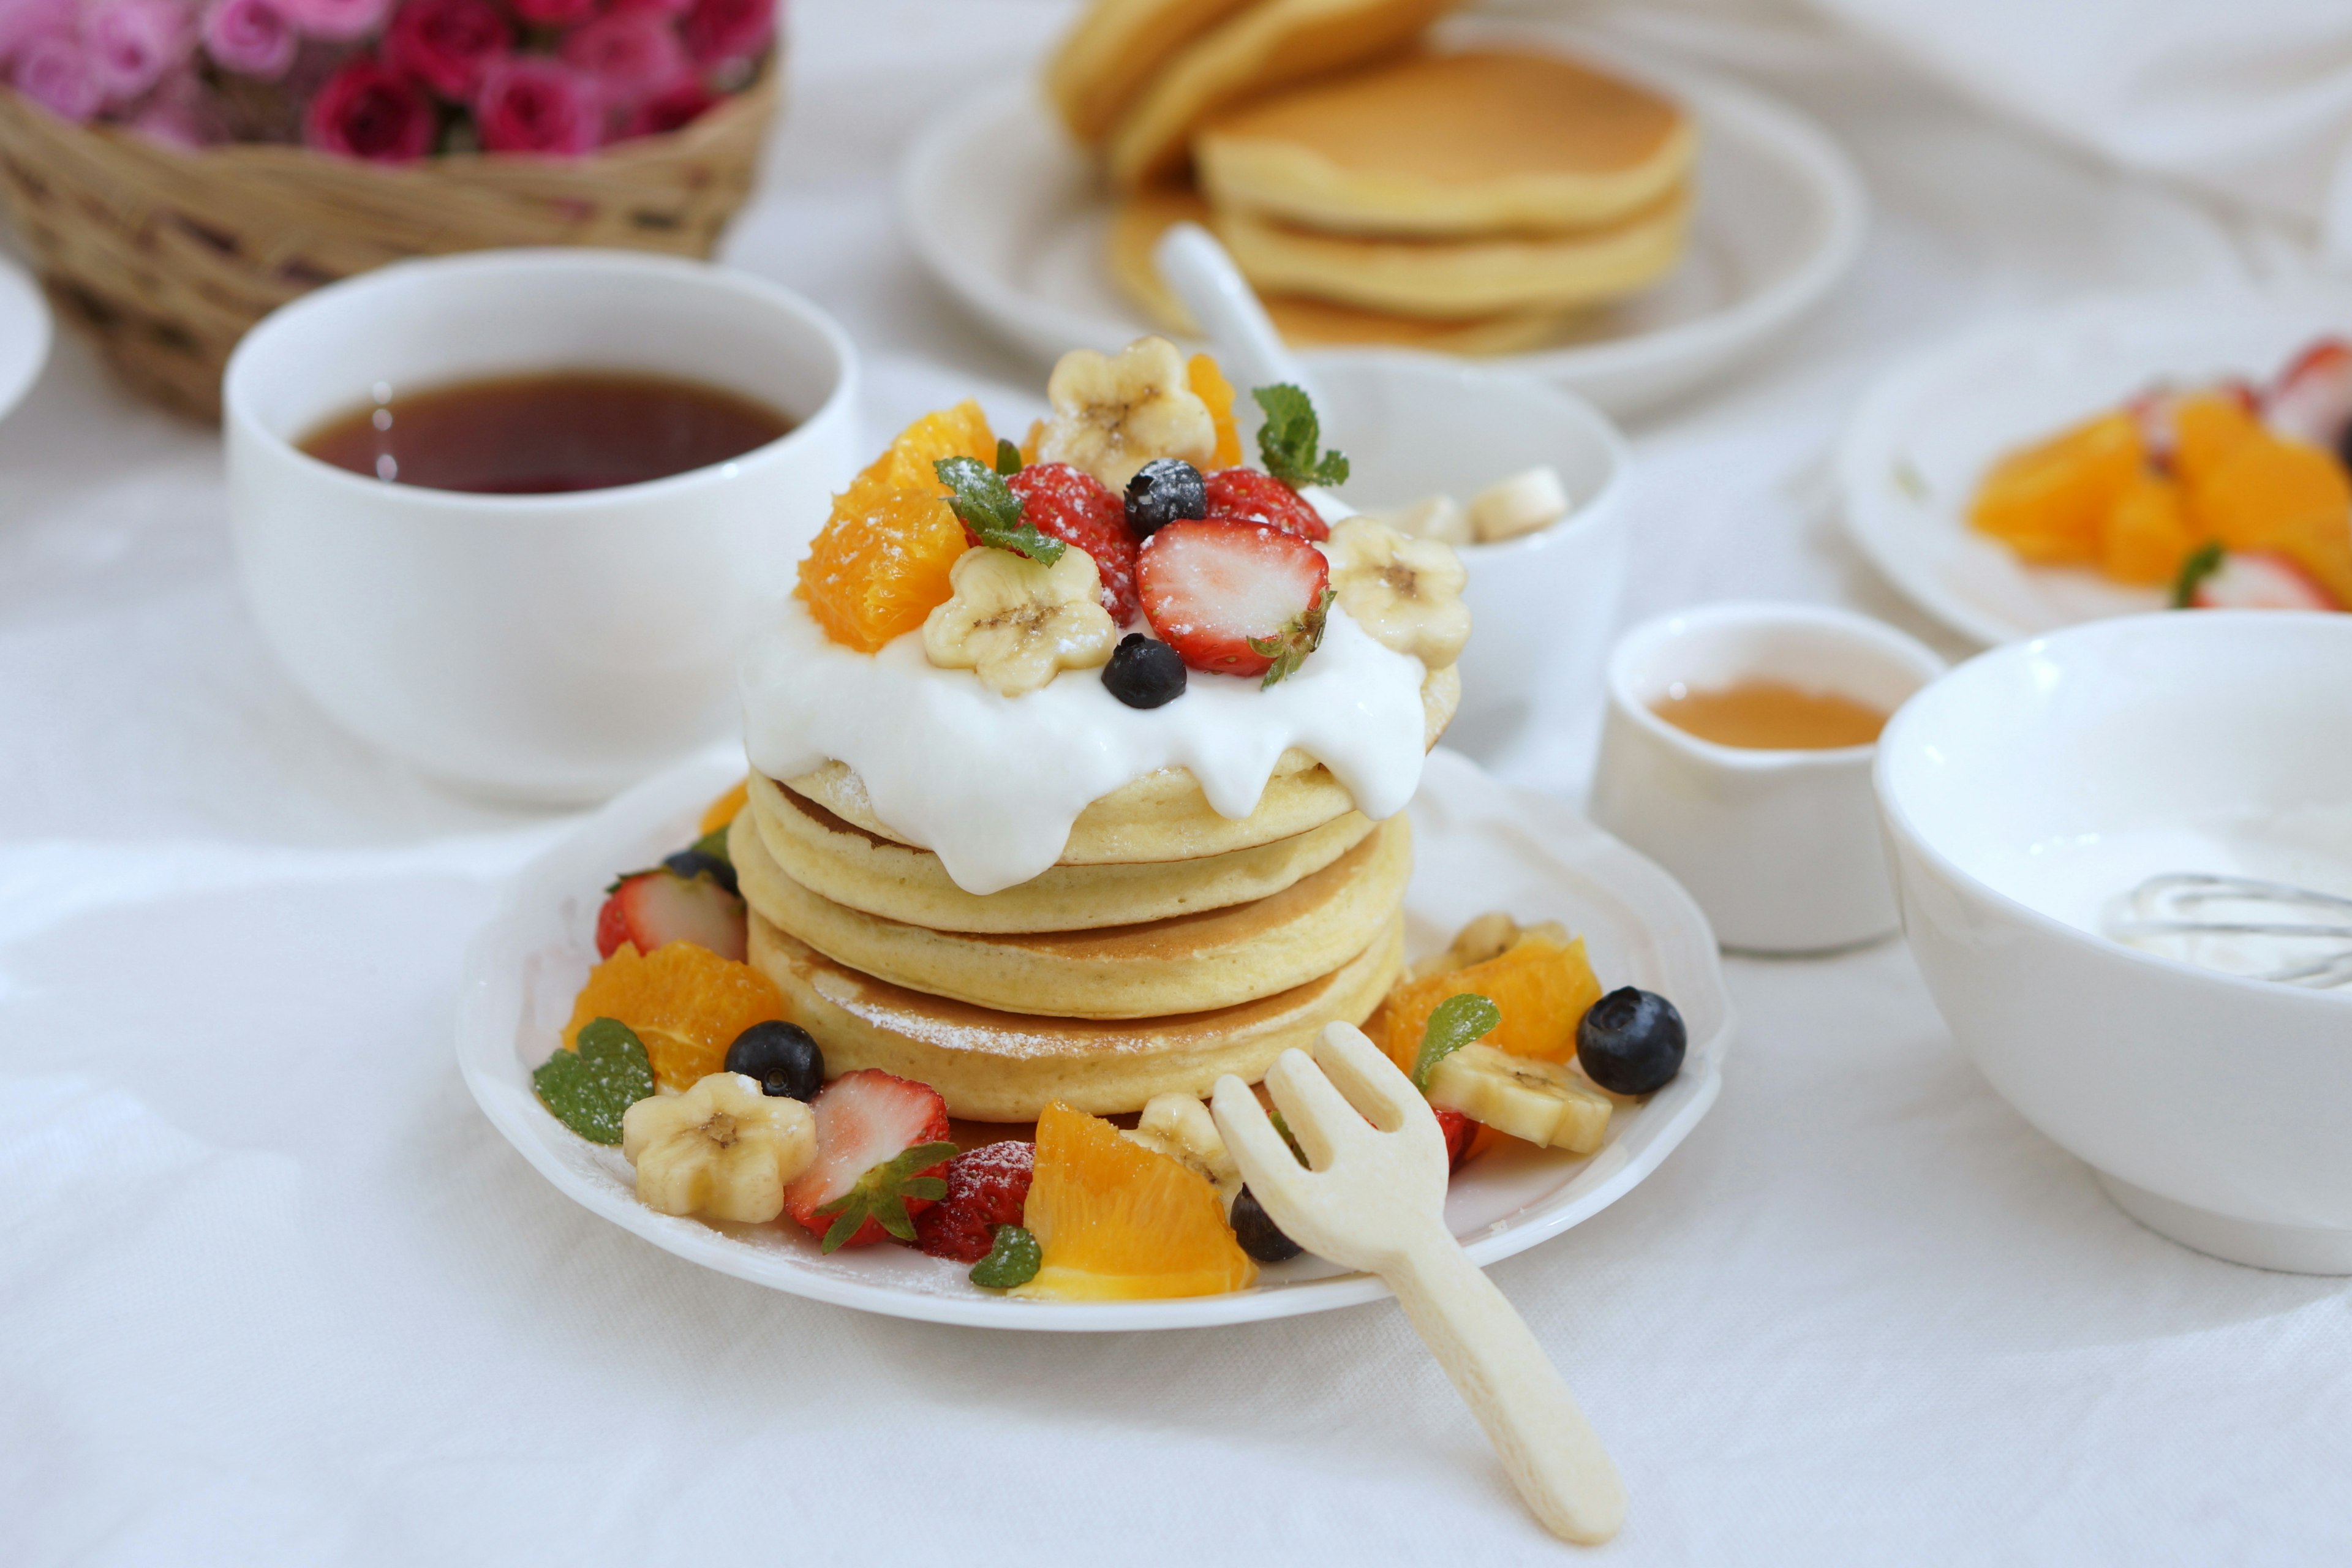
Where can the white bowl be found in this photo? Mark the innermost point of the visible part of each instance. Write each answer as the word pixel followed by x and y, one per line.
pixel 24 334
pixel 1541 605
pixel 549 647
pixel 2035 783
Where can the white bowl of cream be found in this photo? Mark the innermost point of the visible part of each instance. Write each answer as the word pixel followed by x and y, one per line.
pixel 2027 793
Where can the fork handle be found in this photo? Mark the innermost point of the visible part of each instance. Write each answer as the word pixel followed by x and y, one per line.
pixel 1550 1450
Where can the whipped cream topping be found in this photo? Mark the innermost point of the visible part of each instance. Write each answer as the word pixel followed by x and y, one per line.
pixel 991 784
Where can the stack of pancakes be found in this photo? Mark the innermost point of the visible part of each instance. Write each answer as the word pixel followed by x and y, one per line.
pixel 1474 202
pixel 1168 945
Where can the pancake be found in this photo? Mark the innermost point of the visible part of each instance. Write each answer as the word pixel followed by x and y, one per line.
pixel 1479 144
pixel 839 862
pixel 1261 48
pixel 1164 815
pixel 1143 216
pixel 1453 278
pixel 1116 46
pixel 1008 1067
pixel 1185 964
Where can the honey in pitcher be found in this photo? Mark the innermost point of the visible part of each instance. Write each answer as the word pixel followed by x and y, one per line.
pixel 1770 716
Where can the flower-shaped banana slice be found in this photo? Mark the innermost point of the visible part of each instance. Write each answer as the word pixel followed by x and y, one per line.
pixel 1112 415
pixel 1406 592
pixel 1016 624
pixel 723 1149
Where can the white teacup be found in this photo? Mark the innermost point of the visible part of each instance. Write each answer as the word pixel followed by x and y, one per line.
pixel 546 647
pixel 1782 848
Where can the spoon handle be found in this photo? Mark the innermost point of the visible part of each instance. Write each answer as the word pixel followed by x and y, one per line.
pixel 1550 1450
pixel 1227 309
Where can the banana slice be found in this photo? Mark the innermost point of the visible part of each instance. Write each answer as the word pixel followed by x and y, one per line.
pixel 1491 935
pixel 1433 517
pixel 1016 624
pixel 1518 504
pixel 1537 1100
pixel 1112 415
pixel 1181 1127
pixel 1406 592
pixel 722 1149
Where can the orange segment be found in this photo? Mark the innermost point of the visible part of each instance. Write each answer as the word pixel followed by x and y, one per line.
pixel 1118 1222
pixel 880 563
pixel 2146 534
pixel 685 1003
pixel 2047 501
pixel 2206 428
pixel 723 810
pixel 2273 494
pixel 1542 987
pixel 1210 386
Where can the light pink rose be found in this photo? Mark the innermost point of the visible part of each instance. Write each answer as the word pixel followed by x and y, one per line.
pixel 632 55
pixel 55 72
pixel 131 43
pixel 22 21
pixel 335 19
pixel 251 38
pixel 173 114
pixel 530 103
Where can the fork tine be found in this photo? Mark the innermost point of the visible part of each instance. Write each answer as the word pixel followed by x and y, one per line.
pixel 1265 1159
pixel 1372 1084
pixel 1320 1118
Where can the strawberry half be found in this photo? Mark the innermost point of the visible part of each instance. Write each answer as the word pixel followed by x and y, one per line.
pixel 654 907
pixel 1210 588
pixel 881 1144
pixel 1072 505
pixel 2256 579
pixel 1458 1129
pixel 1245 495
pixel 987 1187
pixel 2311 399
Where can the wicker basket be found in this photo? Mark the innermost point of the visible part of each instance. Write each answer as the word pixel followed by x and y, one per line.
pixel 166 257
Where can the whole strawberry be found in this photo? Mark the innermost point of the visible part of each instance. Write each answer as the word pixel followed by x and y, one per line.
pixel 986 1187
pixel 1245 495
pixel 1071 505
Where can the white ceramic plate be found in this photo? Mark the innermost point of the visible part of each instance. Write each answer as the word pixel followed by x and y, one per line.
pixel 23 334
pixel 1479 846
pixel 1915 450
pixel 1008 215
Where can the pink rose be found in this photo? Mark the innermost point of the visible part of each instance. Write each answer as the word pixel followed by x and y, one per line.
pixel 530 103
pixel 131 43
pixel 672 110
pixel 55 72
pixel 251 38
pixel 174 113
pixel 632 56
pixel 654 7
pixel 369 111
pixel 335 19
pixel 22 21
pixel 555 12
pixel 448 44
pixel 720 32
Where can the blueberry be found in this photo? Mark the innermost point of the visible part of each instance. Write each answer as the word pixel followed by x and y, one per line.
pixel 1631 1041
pixel 783 1057
pixel 688 864
pixel 1162 490
pixel 1144 673
pixel 1257 1232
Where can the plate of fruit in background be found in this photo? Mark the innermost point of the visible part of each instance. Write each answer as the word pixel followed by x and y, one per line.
pixel 1480 847
pixel 2117 456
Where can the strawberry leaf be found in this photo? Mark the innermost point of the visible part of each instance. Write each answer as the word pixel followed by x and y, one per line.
pixel 1457 1021
pixel 985 504
pixel 2201 563
pixel 1289 441
pixel 881 1194
pixel 1013 1260
pixel 589 1087
pixel 1301 635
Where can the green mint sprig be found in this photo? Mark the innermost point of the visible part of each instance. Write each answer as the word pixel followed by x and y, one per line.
pixel 1299 636
pixel 881 1194
pixel 986 505
pixel 1290 441
pixel 589 1089
pixel 2202 562
pixel 1457 1021
pixel 1013 1260
pixel 1008 458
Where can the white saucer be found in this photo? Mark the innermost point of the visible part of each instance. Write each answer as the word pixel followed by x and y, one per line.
pixel 1912 455
pixel 1007 214
pixel 1479 846
pixel 25 333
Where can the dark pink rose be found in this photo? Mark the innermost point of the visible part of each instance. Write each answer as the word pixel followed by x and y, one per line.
pixel 632 56
pixel 131 43
pixel 448 44
pixel 369 111
pixel 251 38
pixel 55 72
pixel 555 12
pixel 335 19
pixel 22 21
pixel 671 111
pixel 654 7
pixel 530 103
pixel 720 32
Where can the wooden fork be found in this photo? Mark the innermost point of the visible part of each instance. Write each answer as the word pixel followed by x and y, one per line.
pixel 1372 1196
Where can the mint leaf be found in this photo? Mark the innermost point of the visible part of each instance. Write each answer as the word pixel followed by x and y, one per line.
pixel 987 506
pixel 713 844
pixel 2201 563
pixel 1457 1021
pixel 1013 1260
pixel 1301 635
pixel 1008 458
pixel 881 1194
pixel 588 1088
pixel 1289 441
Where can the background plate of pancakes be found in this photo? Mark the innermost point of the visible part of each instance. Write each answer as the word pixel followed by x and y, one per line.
pixel 1478 846
pixel 1022 227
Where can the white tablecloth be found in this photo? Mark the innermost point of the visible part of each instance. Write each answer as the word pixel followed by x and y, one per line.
pixel 271 1290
